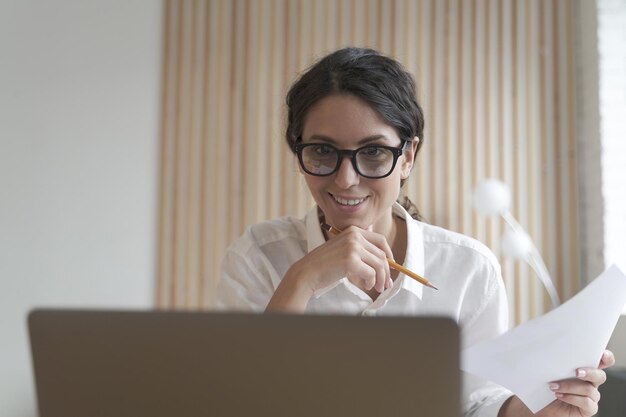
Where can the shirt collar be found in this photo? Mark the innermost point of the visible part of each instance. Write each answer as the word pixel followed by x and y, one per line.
pixel 413 260
pixel 314 238
pixel 314 234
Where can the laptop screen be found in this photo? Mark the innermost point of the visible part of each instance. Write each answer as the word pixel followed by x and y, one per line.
pixel 192 364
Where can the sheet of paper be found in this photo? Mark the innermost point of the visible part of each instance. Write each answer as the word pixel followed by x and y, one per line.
pixel 552 346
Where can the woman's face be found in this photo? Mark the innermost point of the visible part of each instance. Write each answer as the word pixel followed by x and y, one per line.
pixel 345 197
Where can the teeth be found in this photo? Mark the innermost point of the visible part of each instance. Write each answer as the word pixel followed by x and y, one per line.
pixel 348 201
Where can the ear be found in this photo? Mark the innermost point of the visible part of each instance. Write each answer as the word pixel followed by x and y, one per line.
pixel 409 158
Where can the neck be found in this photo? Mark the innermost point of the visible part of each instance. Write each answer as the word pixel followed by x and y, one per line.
pixel 389 225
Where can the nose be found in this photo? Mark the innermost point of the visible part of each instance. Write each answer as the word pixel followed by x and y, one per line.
pixel 346 176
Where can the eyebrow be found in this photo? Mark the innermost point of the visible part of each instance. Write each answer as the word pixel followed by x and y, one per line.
pixel 363 141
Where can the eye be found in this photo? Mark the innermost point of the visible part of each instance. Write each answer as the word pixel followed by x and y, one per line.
pixel 322 150
pixel 372 151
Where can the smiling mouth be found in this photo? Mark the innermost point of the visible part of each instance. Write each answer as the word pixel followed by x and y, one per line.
pixel 348 201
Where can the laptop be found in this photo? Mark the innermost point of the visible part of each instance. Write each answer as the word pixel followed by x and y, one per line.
pixel 191 364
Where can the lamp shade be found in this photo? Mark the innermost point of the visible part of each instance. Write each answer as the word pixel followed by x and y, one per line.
pixel 491 197
pixel 516 244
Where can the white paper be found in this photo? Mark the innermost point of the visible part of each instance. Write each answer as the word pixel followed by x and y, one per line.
pixel 551 347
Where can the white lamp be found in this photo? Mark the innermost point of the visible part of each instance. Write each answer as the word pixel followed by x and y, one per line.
pixel 493 198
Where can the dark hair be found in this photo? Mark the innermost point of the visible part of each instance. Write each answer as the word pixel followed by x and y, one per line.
pixel 380 81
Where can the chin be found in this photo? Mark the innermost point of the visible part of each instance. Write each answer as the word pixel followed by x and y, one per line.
pixel 343 221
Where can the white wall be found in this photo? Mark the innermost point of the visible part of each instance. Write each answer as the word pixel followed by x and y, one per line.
pixel 79 142
pixel 611 38
pixel 612 69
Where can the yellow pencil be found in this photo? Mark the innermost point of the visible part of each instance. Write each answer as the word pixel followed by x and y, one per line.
pixel 393 264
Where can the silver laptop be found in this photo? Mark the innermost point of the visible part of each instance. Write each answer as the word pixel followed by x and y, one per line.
pixel 192 364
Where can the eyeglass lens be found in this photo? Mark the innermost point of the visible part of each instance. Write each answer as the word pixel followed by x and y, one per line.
pixel 371 161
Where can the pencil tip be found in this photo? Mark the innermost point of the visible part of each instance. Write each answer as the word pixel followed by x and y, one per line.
pixel 432 286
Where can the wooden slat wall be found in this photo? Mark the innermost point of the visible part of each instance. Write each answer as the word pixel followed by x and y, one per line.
pixel 496 81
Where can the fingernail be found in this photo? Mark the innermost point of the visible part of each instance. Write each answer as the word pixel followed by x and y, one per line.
pixel 580 373
pixel 554 386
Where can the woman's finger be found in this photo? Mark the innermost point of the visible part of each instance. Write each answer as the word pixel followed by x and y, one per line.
pixel 363 254
pixel 377 240
pixel 372 250
pixel 379 273
pixel 363 276
pixel 594 376
pixel 577 388
pixel 607 360
pixel 587 406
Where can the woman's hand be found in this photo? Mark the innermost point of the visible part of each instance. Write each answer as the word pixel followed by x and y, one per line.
pixel 579 396
pixel 357 254
pixel 576 397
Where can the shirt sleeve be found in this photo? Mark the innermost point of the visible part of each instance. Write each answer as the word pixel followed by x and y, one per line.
pixel 487 319
pixel 245 281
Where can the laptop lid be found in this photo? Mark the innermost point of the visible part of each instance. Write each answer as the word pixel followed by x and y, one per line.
pixel 192 364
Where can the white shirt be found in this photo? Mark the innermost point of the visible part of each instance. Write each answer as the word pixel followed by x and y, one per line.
pixel 466 272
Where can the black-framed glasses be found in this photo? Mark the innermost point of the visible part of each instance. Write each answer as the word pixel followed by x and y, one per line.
pixel 370 161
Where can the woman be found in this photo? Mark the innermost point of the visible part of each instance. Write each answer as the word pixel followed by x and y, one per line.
pixel 356 127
